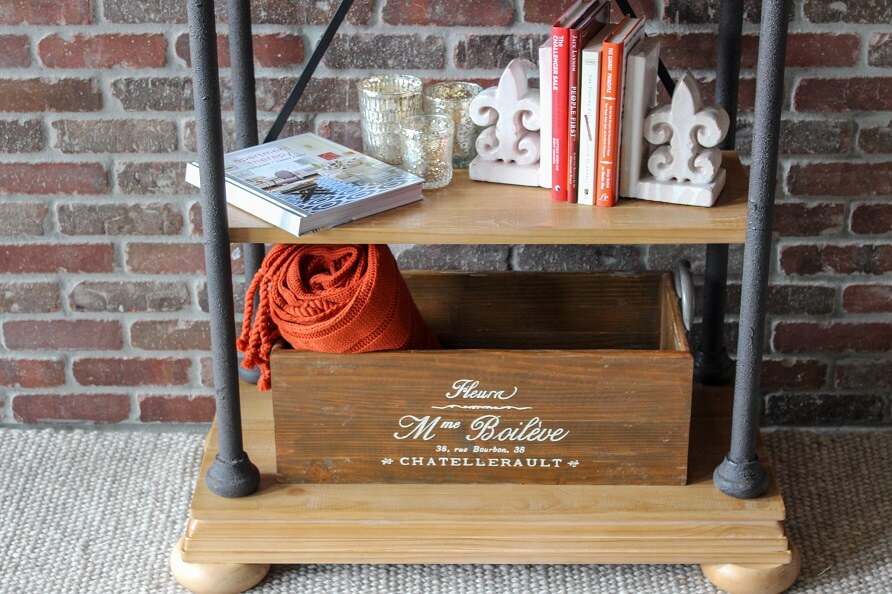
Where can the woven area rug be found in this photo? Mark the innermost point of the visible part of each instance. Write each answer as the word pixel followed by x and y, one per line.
pixel 98 511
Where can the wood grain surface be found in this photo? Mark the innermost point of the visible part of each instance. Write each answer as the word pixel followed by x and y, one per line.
pixel 595 389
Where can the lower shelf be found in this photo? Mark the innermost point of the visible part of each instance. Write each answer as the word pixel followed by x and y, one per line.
pixel 501 523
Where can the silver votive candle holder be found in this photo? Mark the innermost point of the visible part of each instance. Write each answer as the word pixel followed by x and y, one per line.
pixel 384 101
pixel 426 148
pixel 453 99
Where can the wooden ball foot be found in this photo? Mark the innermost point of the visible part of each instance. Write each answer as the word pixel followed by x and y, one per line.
pixel 214 578
pixel 754 578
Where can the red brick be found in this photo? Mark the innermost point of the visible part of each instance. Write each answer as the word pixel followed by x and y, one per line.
pixel 98 408
pixel 131 372
pixel 53 178
pixel 129 296
pixel 835 337
pixel 872 219
pixel 388 52
pixel 863 374
pixel 154 93
pixel 836 259
pixel 854 11
pixel 347 133
pixel 496 51
pixel 64 334
pixel 120 219
pixel 699 50
pixel 195 223
pixel 803 137
pixel 876 140
pixel 547 11
pixel 29 297
pixel 39 95
pixel 115 136
pixel 787 374
pixel 879 52
pixel 14 51
pixel 843 94
pixel 37 258
pixel 796 219
pixel 457 13
pixel 22 218
pixel 867 298
pixel 153 178
pixel 150 11
pixel 165 258
pixel 25 136
pixel 273 50
pixel 137 50
pixel 31 373
pixel 322 95
pixel 840 179
pixel 171 335
pixel 831 410
pixel 291 13
pixel 207 372
pixel 706 11
pixel 815 50
pixel 176 409
pixel 46 12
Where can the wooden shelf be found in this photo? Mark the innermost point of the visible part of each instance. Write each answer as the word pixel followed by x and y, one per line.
pixel 469 212
pixel 497 523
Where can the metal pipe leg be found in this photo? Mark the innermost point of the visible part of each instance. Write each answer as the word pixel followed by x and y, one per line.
pixel 712 365
pixel 241 58
pixel 741 474
pixel 232 474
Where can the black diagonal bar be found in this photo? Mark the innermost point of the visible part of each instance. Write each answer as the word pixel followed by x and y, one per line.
pixel 662 71
pixel 232 474
pixel 741 474
pixel 308 71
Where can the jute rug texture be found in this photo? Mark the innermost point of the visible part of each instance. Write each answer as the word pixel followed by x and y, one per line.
pixel 85 511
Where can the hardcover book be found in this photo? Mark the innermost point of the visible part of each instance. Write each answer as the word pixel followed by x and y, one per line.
pixel 560 93
pixel 304 183
pixel 616 46
pixel 589 96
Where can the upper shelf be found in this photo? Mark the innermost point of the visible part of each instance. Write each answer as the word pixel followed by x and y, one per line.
pixel 470 212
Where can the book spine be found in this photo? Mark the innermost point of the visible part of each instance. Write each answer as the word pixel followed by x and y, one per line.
pixel 588 126
pixel 545 115
pixel 573 115
pixel 560 91
pixel 608 123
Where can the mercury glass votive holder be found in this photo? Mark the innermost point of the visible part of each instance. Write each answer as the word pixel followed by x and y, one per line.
pixel 384 101
pixel 453 99
pixel 426 148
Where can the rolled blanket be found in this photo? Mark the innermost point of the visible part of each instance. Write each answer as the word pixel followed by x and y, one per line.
pixel 331 299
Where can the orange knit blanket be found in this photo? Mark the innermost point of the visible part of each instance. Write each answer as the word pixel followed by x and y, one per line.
pixel 332 299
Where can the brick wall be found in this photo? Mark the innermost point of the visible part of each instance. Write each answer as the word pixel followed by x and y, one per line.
pixel 102 299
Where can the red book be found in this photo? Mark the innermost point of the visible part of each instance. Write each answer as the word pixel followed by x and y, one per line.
pixel 613 57
pixel 560 94
pixel 580 34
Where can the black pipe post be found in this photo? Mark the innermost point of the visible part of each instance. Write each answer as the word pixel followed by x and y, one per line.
pixel 712 365
pixel 741 474
pixel 241 59
pixel 232 474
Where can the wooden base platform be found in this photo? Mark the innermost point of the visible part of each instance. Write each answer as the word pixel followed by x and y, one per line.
pixel 496 523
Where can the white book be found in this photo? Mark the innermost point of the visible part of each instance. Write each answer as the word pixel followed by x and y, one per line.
pixel 306 182
pixel 545 114
pixel 589 98
pixel 639 96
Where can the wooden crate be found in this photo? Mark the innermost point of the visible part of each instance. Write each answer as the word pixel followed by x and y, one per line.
pixel 544 378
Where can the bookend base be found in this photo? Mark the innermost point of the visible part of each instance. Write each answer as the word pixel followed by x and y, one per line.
pixel 501 172
pixel 675 192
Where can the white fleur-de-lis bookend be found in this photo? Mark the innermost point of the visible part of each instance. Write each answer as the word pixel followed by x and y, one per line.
pixel 684 167
pixel 508 148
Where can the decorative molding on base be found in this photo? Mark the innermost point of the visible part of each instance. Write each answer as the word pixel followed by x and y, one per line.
pixel 501 172
pixel 676 192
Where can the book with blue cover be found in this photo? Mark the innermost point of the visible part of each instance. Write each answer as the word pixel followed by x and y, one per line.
pixel 304 183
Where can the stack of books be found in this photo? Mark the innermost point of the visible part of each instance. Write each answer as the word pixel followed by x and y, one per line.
pixel 590 70
pixel 306 182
